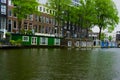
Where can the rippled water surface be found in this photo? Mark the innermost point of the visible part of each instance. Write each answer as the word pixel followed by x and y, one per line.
pixel 60 64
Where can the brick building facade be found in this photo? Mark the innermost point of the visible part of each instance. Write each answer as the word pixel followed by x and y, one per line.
pixel 3 17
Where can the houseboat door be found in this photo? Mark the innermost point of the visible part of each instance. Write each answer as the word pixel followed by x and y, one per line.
pixel 34 41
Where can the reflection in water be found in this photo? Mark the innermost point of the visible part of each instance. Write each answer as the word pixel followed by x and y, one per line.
pixel 60 64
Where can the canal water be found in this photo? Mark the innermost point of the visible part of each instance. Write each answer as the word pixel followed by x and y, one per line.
pixel 60 64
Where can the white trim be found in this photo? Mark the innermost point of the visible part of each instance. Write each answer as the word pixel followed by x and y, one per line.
pixel 25 40
pixel 77 43
pixel 45 42
pixel 42 34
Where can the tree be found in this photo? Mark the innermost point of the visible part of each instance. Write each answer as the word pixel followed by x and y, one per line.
pixel 60 7
pixel 110 28
pixel 23 8
pixel 107 14
pixel 102 36
pixel 87 14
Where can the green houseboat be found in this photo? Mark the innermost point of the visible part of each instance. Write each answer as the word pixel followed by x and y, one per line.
pixel 37 40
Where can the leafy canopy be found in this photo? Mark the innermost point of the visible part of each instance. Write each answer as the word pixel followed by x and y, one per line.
pixel 25 7
pixel 59 6
pixel 107 14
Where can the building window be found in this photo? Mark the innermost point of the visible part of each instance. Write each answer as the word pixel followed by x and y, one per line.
pixel 25 25
pixel 50 21
pixel 3 9
pixel 9 12
pixel 44 19
pixel 41 9
pixel 53 12
pixel 47 20
pixel 30 25
pixel 3 23
pixel 36 18
pixel 44 41
pixel 47 10
pixel 34 41
pixel 50 11
pixel 15 24
pixel 3 1
pixel 9 25
pixel 14 15
pixel 25 38
pixel 31 17
pixel 40 18
pixel 35 28
pixel 46 30
pixel 40 29
pixel 9 2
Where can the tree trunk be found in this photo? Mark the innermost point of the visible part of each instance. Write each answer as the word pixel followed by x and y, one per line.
pixel 87 35
pixel 100 33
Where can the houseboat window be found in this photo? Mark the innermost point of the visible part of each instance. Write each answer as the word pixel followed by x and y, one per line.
pixel 26 38
pixel 57 41
pixel 44 41
pixel 69 43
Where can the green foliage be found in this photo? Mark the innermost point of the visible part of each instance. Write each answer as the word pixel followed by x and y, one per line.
pixel 87 13
pixel 103 36
pixel 25 7
pixel 22 31
pixel 107 14
pixel 8 34
pixel 110 38
pixel 28 32
pixel 16 43
pixel 12 42
pixel 60 7
pixel 110 29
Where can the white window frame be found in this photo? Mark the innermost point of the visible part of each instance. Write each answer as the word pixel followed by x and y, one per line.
pixel 45 42
pixel 9 2
pixel 57 41
pixel 25 38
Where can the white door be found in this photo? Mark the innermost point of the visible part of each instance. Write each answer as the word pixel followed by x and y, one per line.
pixel 34 40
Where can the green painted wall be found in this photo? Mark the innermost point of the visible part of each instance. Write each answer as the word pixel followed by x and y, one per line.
pixel 14 37
pixel 51 41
